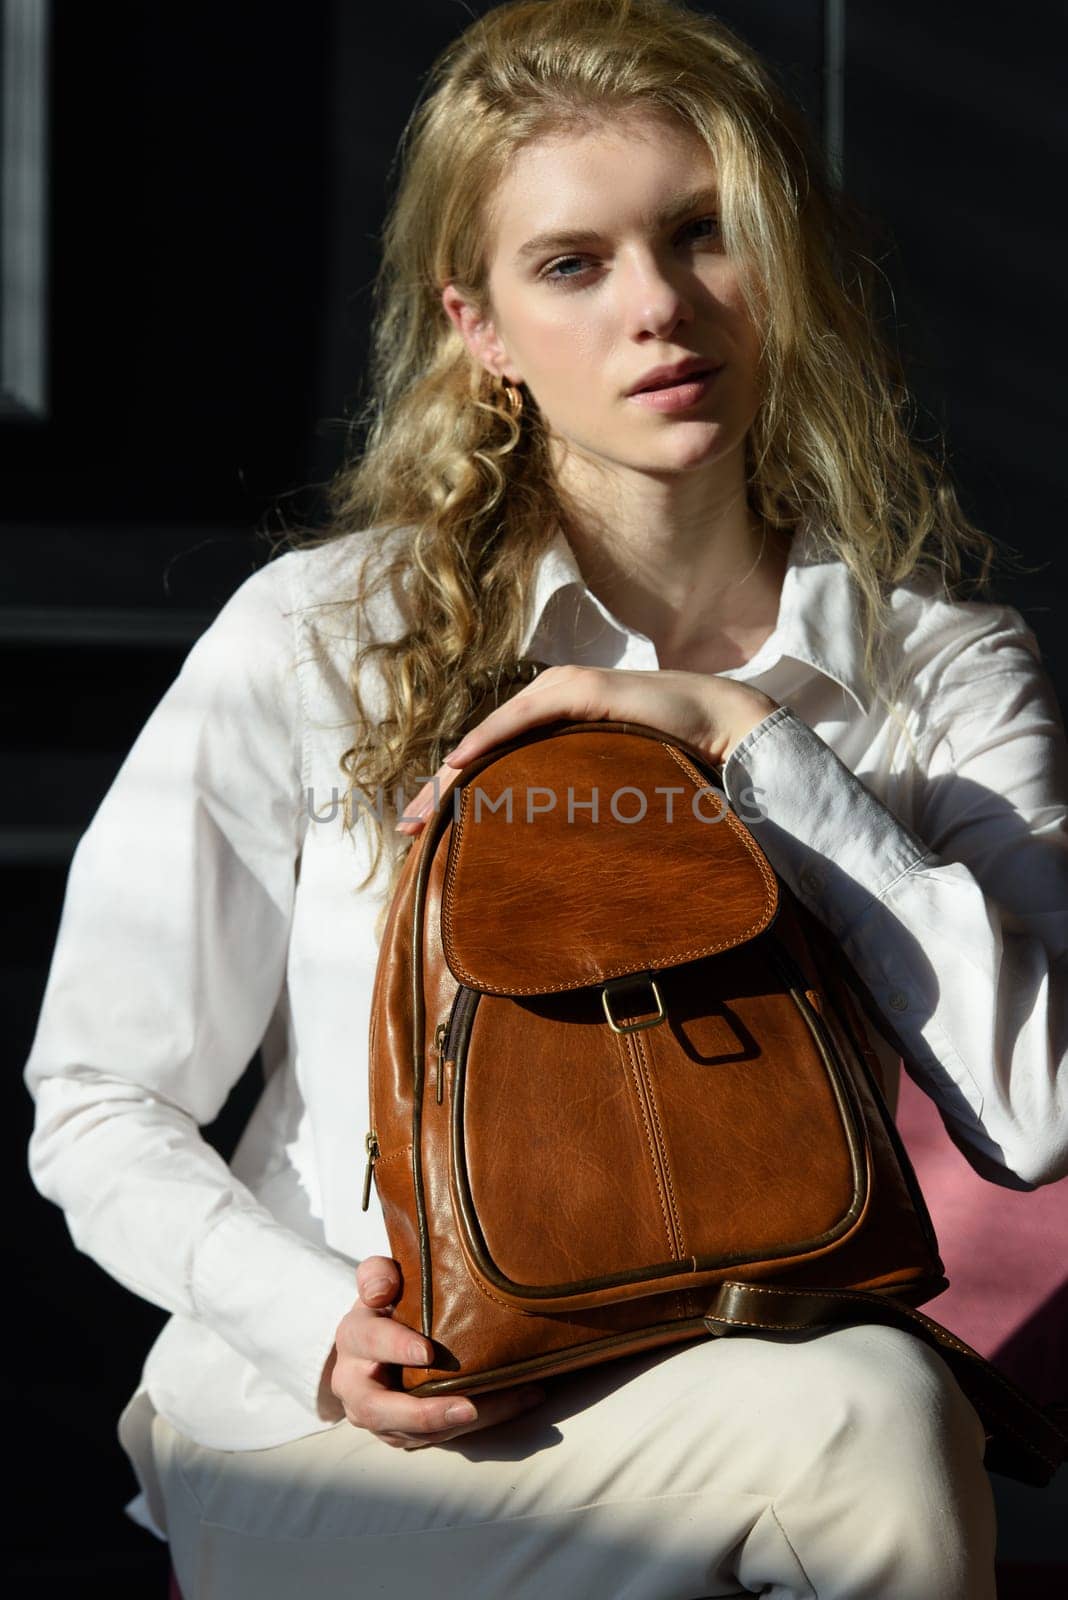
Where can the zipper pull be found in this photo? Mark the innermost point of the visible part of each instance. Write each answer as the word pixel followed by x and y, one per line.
pixel 439 1041
pixel 373 1153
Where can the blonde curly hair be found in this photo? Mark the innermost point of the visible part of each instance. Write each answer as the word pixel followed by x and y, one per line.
pixel 444 457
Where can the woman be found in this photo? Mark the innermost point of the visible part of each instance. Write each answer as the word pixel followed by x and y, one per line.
pixel 630 418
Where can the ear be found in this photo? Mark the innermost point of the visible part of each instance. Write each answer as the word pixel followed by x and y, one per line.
pixel 479 335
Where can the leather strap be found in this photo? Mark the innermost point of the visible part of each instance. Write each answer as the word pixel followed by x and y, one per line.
pixel 1024 1442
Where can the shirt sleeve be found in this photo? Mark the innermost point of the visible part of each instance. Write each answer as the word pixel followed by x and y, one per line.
pixel 169 962
pixel 958 924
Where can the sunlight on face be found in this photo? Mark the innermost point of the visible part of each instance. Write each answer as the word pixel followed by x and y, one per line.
pixel 640 279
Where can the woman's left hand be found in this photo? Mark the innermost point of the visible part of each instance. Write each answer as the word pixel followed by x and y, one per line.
pixel 705 711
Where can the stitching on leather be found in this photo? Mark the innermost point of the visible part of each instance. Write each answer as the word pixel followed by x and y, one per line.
pixel 394 1155
pixel 448 890
pixel 688 1298
pixel 485 1290
pixel 744 837
pixel 650 1090
pixel 635 1070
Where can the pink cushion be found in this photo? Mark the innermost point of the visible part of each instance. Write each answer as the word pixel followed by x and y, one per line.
pixel 1004 1252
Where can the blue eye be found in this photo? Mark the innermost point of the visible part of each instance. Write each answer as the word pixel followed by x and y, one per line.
pixel 566 261
pixel 553 273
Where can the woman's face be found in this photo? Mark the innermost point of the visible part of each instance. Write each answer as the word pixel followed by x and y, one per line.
pixel 606 263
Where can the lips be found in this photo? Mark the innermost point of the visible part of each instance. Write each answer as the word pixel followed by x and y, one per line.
pixel 684 377
pixel 665 377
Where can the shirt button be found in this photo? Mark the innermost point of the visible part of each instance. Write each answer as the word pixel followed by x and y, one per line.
pixel 899 1000
pixel 811 881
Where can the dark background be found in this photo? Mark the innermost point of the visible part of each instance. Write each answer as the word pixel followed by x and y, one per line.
pixel 217 178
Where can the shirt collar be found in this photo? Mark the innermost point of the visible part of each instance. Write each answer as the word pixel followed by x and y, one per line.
pixel 819 620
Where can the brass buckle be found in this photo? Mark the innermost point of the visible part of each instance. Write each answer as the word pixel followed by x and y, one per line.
pixel 632 983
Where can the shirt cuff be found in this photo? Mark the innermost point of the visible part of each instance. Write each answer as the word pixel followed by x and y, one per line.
pixel 275 1297
pixel 835 845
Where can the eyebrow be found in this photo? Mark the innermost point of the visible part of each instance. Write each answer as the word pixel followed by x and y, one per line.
pixel 573 238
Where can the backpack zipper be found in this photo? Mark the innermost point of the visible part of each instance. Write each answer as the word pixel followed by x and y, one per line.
pixel 449 1033
pixel 373 1153
pixel 445 1035
pixel 439 1042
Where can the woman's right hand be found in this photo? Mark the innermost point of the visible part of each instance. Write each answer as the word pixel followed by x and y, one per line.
pixel 369 1342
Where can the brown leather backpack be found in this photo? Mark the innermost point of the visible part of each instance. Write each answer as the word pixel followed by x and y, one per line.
pixel 621 1092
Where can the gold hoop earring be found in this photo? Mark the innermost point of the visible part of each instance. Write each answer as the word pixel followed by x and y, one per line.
pixel 513 399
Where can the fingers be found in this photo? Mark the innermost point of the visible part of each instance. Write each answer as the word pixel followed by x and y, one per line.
pixel 409 1422
pixel 557 692
pixel 368 1333
pixel 378 1281
pixel 427 800
pixel 364 1335
pixel 370 1345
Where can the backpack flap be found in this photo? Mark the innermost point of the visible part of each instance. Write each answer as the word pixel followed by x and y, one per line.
pixel 591 853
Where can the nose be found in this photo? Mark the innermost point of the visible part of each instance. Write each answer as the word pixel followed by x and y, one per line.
pixel 655 299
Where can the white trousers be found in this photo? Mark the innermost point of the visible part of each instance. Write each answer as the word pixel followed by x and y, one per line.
pixel 845 1465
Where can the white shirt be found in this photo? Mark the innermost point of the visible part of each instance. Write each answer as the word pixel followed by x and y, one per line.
pixel 206 912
